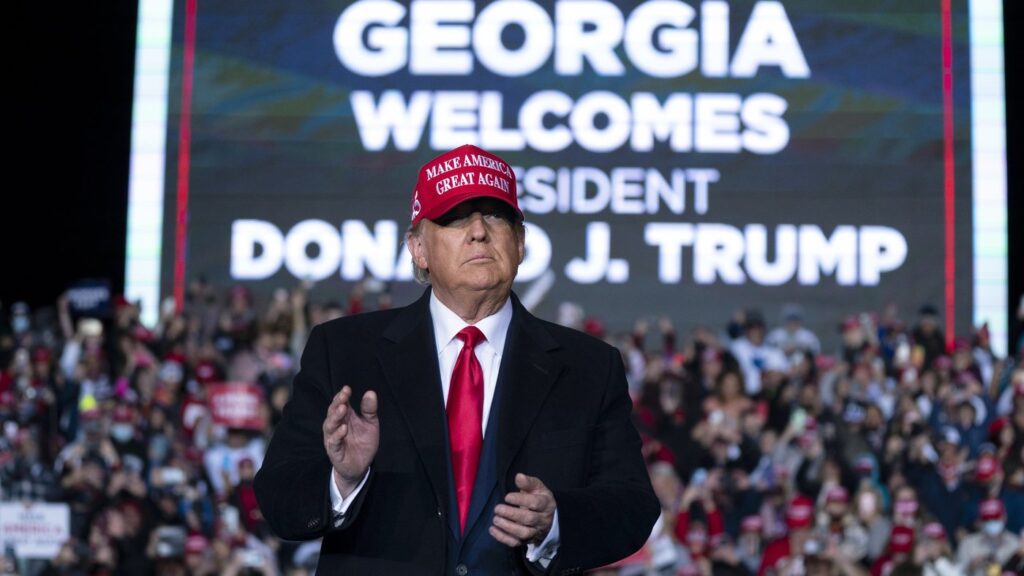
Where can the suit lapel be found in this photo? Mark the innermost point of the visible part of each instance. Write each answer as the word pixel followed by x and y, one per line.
pixel 408 358
pixel 527 373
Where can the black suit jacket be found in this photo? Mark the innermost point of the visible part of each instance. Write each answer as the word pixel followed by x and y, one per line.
pixel 564 417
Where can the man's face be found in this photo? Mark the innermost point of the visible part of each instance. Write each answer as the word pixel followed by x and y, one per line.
pixel 474 247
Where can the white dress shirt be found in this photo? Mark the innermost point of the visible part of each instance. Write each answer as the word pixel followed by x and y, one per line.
pixel 447 325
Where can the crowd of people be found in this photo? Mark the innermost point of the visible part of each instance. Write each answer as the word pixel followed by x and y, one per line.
pixel 895 453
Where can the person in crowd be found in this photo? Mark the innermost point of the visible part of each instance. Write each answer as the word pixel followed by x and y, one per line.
pixel 899 550
pixel 928 335
pixel 792 336
pixel 754 354
pixel 871 515
pixel 750 543
pixel 933 552
pixel 841 530
pixel 991 545
pixel 786 554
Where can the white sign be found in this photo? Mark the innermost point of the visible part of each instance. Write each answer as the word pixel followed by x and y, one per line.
pixel 35 530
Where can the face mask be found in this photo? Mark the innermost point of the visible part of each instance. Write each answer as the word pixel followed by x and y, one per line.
pixel 993 527
pixel 122 432
pixel 866 505
pixel 905 507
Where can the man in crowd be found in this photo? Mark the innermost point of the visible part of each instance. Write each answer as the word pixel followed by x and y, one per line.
pixel 991 546
pixel 485 440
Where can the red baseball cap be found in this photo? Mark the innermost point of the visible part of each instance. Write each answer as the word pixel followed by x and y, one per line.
pixel 464 173
pixel 934 530
pixel 901 539
pixel 752 524
pixel 696 535
pixel 41 354
pixel 837 494
pixel 991 509
pixel 996 427
pixel 800 513
pixel 988 466
pixel 123 413
pixel 195 544
pixel 206 371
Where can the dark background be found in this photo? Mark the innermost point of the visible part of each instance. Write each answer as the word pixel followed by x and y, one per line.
pixel 65 209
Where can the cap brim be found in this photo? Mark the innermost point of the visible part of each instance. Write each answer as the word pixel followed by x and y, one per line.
pixel 466 194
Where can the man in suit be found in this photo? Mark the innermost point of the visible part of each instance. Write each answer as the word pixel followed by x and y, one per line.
pixel 459 434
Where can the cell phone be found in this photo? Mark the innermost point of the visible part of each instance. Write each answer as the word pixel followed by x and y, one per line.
pixel 799 419
pixel 251 558
pixel 716 417
pixel 929 453
pixel 700 476
pixel 133 463
pixel 903 353
pixel 229 514
pixel 168 306
pixel 172 476
pixel 170 541
pixel 21 359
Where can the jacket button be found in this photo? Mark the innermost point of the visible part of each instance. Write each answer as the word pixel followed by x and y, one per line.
pixel 461 570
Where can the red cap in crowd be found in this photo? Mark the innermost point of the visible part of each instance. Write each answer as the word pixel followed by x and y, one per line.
pixel 7 399
pixel 193 454
pixel 195 544
pixel 864 465
pixel 696 535
pixel 594 327
pixel 901 540
pixel 239 292
pixel 206 372
pixel 752 524
pixel 988 466
pixel 800 513
pixel 935 531
pixel 837 494
pixel 90 414
pixel 991 509
pixel 711 354
pixel 996 427
pixel 41 355
pixel 123 413
pixel 462 174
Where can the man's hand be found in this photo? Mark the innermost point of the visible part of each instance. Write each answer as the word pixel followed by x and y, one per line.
pixel 351 440
pixel 526 515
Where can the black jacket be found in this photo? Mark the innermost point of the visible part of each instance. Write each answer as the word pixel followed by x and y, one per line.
pixel 564 417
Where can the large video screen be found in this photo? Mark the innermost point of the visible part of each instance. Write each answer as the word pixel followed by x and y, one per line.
pixel 672 158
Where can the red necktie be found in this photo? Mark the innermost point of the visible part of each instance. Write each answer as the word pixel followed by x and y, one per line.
pixel 465 417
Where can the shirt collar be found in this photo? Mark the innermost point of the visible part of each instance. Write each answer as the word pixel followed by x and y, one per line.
pixel 447 324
